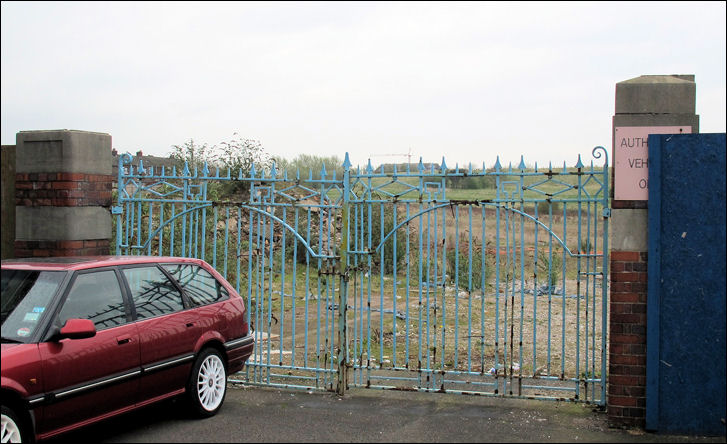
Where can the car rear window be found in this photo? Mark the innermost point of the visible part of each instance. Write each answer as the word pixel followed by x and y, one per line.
pixel 198 284
pixel 152 292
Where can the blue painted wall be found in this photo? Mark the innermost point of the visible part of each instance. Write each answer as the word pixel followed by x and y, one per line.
pixel 686 290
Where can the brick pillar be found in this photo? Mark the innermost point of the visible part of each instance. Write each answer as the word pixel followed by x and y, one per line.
pixel 63 189
pixel 660 104
pixel 627 339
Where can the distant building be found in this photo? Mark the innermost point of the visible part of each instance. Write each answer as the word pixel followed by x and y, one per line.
pixel 149 161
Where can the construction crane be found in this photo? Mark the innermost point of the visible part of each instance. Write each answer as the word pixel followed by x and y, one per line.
pixel 408 155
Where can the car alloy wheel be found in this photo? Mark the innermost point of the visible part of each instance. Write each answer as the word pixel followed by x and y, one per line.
pixel 10 427
pixel 209 382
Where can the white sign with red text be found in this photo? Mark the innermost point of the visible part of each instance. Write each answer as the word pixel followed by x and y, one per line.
pixel 631 159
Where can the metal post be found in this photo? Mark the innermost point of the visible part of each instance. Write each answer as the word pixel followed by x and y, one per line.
pixel 343 288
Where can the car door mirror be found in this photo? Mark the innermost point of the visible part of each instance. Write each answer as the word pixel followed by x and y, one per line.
pixel 77 329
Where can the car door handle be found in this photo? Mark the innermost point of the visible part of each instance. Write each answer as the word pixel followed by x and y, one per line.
pixel 123 340
pixel 190 324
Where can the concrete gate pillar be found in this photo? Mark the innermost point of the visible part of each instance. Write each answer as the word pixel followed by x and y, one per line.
pixel 63 188
pixel 7 187
pixel 651 104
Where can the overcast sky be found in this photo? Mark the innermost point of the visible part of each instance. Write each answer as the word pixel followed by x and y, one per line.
pixel 469 81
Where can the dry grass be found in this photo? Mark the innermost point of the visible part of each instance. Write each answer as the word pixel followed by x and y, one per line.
pixel 444 328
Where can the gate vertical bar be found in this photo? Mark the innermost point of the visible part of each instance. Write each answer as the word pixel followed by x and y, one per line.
pixel 118 210
pixel 343 287
pixel 604 276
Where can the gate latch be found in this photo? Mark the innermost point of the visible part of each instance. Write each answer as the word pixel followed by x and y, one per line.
pixel 606 212
pixel 117 210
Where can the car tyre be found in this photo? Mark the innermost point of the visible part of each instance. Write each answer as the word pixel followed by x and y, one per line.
pixel 207 384
pixel 13 428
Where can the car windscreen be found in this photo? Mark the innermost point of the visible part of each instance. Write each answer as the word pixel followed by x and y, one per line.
pixel 26 294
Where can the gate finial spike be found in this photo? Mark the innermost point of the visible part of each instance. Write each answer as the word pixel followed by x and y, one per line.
pixel 273 171
pixel 395 169
pixel 498 167
pixel 185 172
pixel 579 165
pixel 521 167
pixel 141 169
pixel 421 165
pixel 297 174
pixel 252 170
pixel 205 170
pixel 346 162
pixel 565 168
pixel 444 166
pixel 323 170
pixel 369 168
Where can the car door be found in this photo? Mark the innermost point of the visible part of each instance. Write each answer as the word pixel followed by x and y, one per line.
pixel 167 332
pixel 91 377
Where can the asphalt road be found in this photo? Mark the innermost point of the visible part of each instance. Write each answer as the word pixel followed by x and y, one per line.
pixel 254 414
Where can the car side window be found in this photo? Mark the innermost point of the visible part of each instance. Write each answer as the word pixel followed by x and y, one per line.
pixel 152 292
pixel 95 296
pixel 200 286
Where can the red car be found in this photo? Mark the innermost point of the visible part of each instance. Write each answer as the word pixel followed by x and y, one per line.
pixel 84 339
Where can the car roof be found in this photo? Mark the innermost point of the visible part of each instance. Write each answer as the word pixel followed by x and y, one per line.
pixel 85 262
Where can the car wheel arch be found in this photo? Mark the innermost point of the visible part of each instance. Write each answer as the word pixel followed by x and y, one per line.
pixel 215 344
pixel 11 398
pixel 14 401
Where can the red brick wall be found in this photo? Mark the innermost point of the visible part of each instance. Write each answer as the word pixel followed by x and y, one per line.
pixel 62 190
pixel 627 339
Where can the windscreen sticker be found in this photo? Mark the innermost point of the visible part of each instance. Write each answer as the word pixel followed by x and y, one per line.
pixel 38 309
pixel 22 332
pixel 31 317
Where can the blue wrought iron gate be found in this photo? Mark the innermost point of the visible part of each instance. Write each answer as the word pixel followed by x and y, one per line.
pixel 415 277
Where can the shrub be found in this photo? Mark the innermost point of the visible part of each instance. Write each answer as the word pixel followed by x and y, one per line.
pixel 458 267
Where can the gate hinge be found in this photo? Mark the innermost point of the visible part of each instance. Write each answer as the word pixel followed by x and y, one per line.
pixel 117 210
pixel 606 212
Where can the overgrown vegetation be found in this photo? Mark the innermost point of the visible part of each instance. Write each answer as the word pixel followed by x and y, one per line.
pixel 310 165
pixel 468 269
